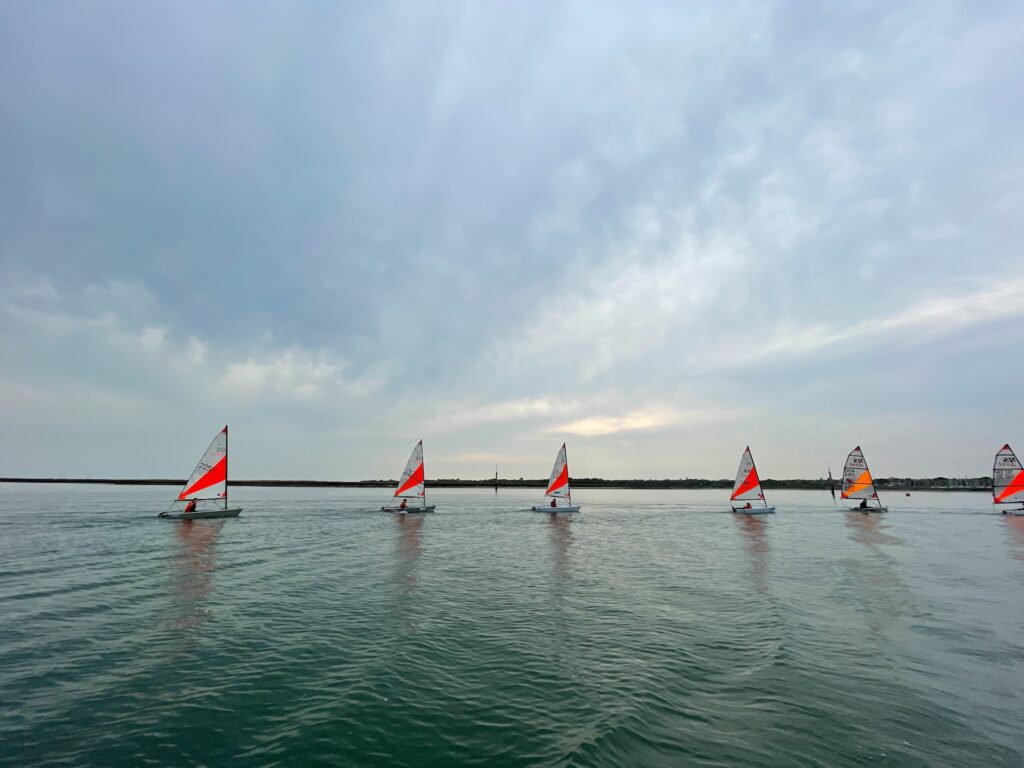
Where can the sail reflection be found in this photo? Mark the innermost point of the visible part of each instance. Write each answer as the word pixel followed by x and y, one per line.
pixel 1016 525
pixel 868 529
pixel 876 575
pixel 753 529
pixel 561 538
pixel 192 571
pixel 408 547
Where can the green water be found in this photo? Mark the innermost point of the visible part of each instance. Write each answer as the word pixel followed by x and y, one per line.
pixel 654 629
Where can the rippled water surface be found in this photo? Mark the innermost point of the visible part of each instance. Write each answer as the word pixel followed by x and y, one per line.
pixel 653 629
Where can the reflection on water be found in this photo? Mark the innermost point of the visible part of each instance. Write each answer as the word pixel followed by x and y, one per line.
pixel 889 595
pixel 1015 524
pixel 408 548
pixel 192 571
pixel 561 538
pixel 868 529
pixel 752 528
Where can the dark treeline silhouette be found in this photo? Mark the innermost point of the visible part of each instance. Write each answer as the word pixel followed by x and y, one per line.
pixel 893 483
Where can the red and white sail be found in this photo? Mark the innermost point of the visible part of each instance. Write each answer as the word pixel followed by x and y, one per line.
pixel 412 484
pixel 748 485
pixel 1007 478
pixel 209 479
pixel 857 480
pixel 558 485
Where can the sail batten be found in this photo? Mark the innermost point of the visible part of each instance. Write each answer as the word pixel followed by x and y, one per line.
pixel 857 480
pixel 209 480
pixel 1007 478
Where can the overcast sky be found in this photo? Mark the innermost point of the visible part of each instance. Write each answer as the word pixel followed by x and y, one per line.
pixel 658 232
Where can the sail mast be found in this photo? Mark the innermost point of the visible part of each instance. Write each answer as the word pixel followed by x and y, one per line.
pixel 568 485
pixel 424 465
pixel 757 474
pixel 226 484
pixel 874 488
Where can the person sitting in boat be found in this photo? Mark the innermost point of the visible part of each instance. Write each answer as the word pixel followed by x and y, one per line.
pixel 747 506
pixel 554 502
pixel 402 505
pixel 863 503
pixel 191 506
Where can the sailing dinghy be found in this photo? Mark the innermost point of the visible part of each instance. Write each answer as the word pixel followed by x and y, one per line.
pixel 208 483
pixel 748 488
pixel 858 484
pixel 1008 482
pixel 558 487
pixel 412 486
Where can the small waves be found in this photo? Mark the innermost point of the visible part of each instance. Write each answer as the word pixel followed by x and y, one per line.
pixel 648 630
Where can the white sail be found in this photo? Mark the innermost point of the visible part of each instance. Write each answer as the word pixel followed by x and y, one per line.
pixel 209 479
pixel 748 485
pixel 412 484
pixel 558 485
pixel 857 480
pixel 1007 478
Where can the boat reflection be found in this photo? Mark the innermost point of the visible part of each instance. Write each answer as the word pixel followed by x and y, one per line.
pixel 876 575
pixel 868 529
pixel 561 538
pixel 753 529
pixel 1015 523
pixel 192 571
pixel 408 547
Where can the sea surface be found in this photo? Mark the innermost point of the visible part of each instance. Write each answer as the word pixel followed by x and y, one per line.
pixel 653 629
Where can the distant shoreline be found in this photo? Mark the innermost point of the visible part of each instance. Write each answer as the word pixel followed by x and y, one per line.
pixel 820 484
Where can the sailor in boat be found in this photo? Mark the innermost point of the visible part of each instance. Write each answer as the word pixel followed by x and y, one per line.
pixel 863 503
pixel 402 505
pixel 554 502
pixel 191 506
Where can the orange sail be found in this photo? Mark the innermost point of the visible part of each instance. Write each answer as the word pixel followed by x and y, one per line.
pixel 748 485
pixel 412 483
pixel 209 480
pixel 857 480
pixel 1007 478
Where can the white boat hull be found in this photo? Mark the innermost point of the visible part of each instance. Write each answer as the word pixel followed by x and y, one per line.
pixel 409 510
pixel 557 510
pixel 1016 512
pixel 868 510
pixel 204 514
pixel 754 511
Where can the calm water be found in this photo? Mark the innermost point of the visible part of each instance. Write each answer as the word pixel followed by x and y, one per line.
pixel 654 629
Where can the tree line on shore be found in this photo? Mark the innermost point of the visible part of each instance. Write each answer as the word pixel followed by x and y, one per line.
pixel 821 483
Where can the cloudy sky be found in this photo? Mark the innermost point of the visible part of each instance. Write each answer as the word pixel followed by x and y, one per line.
pixel 658 232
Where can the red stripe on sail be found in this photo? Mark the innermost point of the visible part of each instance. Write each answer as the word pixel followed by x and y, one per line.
pixel 558 482
pixel 414 479
pixel 218 474
pixel 749 483
pixel 1016 486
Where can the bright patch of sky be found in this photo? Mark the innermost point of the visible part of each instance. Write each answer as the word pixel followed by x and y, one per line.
pixel 659 232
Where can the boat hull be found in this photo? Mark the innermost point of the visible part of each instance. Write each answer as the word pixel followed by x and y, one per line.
pixel 1015 512
pixel 868 510
pixel 754 511
pixel 409 510
pixel 206 514
pixel 557 510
